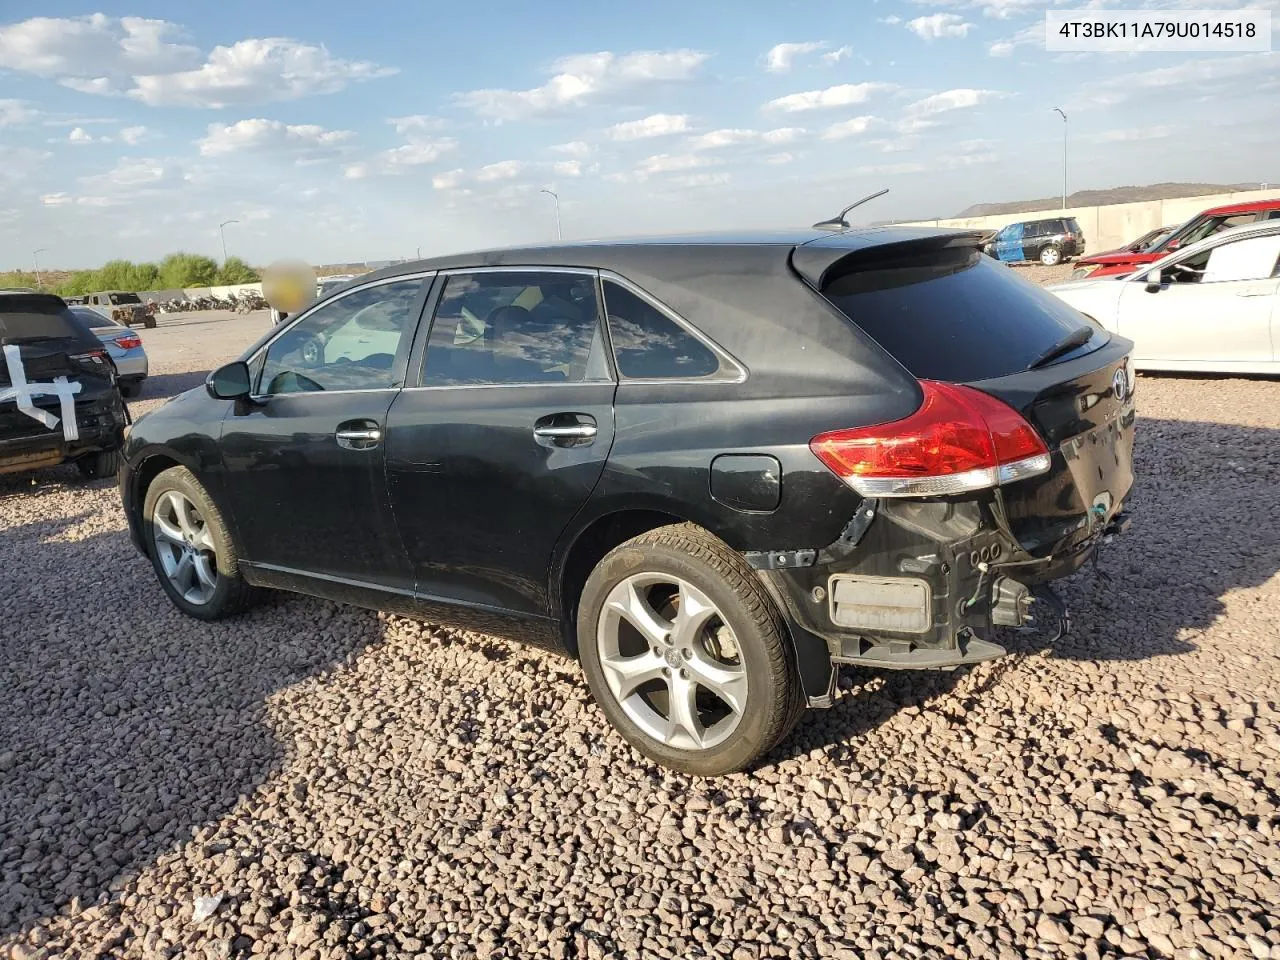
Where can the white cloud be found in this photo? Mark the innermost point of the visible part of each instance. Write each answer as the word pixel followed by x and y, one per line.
pixel 892 20
pixel 503 170
pixel 79 135
pixel 841 95
pixel 257 135
pixel 581 78
pixel 701 179
pixel 655 125
pixel 142 172
pixel 1222 76
pixel 574 148
pixel 14 112
pixel 415 124
pixel 1030 35
pixel 851 128
pixel 134 135
pixel 141 59
pixel 939 25
pixel 840 53
pixel 780 57
pixel 1004 9
pixel 957 99
pixel 670 163
pixel 449 179
pixel 567 168
pixel 1130 134
pixel 732 137
pixel 401 159
pixel 778 159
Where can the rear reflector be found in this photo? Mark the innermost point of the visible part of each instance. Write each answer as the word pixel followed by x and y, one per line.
pixel 960 440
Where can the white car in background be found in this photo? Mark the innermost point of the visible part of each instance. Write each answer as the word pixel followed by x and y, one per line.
pixel 1213 305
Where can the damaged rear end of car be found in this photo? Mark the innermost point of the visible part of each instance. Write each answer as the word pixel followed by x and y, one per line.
pixel 1013 467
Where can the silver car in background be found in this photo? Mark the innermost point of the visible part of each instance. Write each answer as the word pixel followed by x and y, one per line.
pixel 123 346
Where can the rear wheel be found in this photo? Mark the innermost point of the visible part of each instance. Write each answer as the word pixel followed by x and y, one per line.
pixel 149 323
pixel 1051 256
pixel 99 466
pixel 191 548
pixel 685 652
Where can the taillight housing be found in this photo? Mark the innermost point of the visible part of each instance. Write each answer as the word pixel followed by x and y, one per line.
pixel 958 441
pixel 128 341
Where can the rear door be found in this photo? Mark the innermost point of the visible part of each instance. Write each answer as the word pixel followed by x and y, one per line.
pixel 1212 306
pixel 951 315
pixel 503 438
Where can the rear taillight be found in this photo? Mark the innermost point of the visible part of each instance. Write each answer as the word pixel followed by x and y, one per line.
pixel 129 341
pixel 960 439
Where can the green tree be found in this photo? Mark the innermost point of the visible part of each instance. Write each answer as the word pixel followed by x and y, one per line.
pixel 187 270
pixel 81 282
pixel 126 275
pixel 18 278
pixel 236 270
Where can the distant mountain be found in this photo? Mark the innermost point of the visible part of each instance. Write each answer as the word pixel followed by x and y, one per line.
pixel 1098 198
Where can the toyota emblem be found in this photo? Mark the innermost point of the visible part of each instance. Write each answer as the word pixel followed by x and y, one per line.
pixel 1120 385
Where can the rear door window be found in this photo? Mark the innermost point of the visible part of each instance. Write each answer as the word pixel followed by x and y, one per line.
pixel 650 345
pixel 954 314
pixel 516 327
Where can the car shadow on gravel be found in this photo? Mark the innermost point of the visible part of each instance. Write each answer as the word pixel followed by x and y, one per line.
pixel 163 385
pixel 1204 524
pixel 127 725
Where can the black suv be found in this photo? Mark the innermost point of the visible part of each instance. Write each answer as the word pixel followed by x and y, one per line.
pixel 58 396
pixel 1049 241
pixel 711 469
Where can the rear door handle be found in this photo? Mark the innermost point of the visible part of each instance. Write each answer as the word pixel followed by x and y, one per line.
pixel 565 430
pixel 358 435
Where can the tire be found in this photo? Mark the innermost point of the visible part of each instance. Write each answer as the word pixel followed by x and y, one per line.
pixel 149 323
pixel 1051 256
pixel 99 466
pixel 634 675
pixel 213 554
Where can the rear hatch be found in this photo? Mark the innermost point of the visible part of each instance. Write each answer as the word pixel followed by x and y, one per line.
pixel 948 314
pixel 51 342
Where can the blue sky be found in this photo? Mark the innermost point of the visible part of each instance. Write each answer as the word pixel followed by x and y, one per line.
pixel 340 132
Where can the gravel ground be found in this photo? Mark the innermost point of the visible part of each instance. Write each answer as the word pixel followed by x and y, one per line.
pixel 316 781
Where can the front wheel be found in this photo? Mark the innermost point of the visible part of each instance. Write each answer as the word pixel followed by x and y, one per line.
pixel 686 654
pixel 1051 256
pixel 191 549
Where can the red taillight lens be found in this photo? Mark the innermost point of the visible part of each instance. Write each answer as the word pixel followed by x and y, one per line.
pixel 960 439
pixel 129 341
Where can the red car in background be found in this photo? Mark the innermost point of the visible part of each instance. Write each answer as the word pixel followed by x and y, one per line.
pixel 1118 262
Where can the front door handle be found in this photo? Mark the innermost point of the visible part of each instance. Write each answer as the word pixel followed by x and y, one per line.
pixel 565 430
pixel 358 435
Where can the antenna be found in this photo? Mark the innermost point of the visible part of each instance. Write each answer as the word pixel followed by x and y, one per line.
pixel 838 222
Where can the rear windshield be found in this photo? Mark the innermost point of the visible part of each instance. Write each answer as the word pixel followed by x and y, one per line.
pixel 119 298
pixel 36 317
pixel 95 319
pixel 955 314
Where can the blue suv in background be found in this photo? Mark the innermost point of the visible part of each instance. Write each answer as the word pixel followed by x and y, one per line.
pixel 1049 241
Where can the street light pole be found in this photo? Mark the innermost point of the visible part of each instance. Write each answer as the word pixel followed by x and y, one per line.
pixel 224 238
pixel 1058 110
pixel 556 197
pixel 35 259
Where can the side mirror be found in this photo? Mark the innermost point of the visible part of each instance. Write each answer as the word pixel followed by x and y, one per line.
pixel 1153 282
pixel 231 381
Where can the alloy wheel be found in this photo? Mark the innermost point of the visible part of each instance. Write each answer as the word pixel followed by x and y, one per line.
pixel 184 546
pixel 1050 256
pixel 671 661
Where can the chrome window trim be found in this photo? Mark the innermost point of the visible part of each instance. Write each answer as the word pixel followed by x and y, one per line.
pixel 724 356
pixel 253 357
pixel 532 268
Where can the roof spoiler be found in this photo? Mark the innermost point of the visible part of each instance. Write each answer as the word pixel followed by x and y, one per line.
pixel 820 261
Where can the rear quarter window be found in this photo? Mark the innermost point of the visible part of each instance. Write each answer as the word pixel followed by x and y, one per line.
pixel 649 345
pixel 955 315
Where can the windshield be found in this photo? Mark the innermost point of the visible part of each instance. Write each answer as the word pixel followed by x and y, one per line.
pixel 121 298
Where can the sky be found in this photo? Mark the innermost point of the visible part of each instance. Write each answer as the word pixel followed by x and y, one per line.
pixel 335 132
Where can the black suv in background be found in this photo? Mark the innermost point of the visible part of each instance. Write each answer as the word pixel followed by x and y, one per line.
pixel 1049 241
pixel 712 469
pixel 59 400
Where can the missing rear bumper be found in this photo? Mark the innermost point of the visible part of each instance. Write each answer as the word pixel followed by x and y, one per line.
pixel 907 655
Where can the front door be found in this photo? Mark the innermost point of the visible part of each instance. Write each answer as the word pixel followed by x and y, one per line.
pixel 1009 243
pixel 1214 305
pixel 304 476
pixel 503 441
